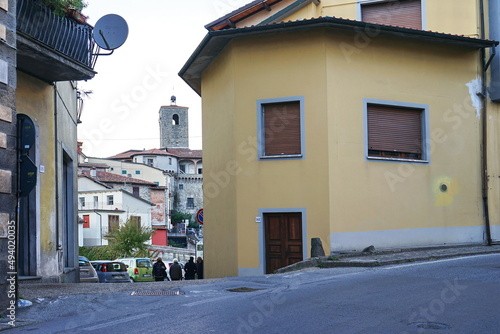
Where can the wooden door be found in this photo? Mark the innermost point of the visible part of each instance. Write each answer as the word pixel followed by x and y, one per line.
pixel 283 239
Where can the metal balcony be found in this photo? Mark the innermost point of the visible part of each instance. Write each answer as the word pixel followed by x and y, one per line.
pixel 51 47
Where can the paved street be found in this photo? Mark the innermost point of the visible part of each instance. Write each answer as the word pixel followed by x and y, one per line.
pixel 457 295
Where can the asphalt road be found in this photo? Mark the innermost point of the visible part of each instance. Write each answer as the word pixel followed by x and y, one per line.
pixel 447 296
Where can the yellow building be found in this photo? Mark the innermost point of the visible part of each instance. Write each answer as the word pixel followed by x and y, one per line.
pixel 50 59
pixel 38 142
pixel 350 121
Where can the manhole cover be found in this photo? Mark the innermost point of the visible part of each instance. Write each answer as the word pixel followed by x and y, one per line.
pixel 157 293
pixel 243 289
pixel 429 325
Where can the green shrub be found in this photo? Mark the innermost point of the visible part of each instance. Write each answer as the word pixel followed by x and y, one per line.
pixel 99 253
pixel 60 6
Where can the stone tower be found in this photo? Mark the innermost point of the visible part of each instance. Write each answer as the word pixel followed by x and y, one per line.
pixel 174 126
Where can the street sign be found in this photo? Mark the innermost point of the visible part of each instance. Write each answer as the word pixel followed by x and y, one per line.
pixel 199 216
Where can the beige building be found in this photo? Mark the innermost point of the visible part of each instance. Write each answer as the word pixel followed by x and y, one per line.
pixel 357 122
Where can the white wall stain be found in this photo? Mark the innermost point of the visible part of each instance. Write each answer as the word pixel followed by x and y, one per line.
pixel 474 88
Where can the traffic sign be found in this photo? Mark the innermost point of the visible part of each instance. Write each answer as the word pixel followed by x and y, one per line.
pixel 199 216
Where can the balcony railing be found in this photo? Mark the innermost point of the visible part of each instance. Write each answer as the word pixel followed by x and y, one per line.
pixel 60 35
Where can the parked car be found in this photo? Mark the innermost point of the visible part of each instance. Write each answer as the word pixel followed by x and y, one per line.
pixel 111 271
pixel 87 272
pixel 139 269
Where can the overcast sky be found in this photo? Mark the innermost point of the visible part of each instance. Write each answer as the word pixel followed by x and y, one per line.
pixel 138 78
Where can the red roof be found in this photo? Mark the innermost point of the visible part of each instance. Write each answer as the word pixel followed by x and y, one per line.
pixel 175 152
pixel 186 153
pixel 228 21
pixel 153 151
pixel 124 155
pixel 106 177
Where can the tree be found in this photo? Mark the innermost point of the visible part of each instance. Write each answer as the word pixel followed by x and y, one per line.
pixel 179 217
pixel 60 6
pixel 129 239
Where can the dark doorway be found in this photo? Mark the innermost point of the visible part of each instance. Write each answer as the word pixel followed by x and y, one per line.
pixel 283 239
pixel 69 216
pixel 27 212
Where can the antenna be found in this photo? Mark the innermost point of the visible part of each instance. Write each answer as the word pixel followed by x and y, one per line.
pixel 110 32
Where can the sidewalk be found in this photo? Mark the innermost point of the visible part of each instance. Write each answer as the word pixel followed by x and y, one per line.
pixel 390 256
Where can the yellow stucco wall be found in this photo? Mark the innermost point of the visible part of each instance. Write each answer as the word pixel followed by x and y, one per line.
pixel 36 99
pixel 341 191
pixel 281 72
pixel 459 19
pixel 410 72
pixel 220 255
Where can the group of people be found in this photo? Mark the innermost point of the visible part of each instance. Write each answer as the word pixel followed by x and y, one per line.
pixel 191 269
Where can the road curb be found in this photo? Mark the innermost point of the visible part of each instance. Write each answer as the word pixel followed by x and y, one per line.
pixel 396 257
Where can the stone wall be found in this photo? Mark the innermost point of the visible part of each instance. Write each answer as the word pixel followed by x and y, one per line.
pixel 169 253
pixel 172 134
pixel 192 187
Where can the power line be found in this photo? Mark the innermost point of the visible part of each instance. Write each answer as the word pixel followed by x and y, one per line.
pixel 109 139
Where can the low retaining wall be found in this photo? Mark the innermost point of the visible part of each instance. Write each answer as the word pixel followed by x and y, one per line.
pixel 169 253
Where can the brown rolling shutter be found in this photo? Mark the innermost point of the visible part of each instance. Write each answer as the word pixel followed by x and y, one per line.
pixel 394 129
pixel 282 128
pixel 402 13
pixel 113 223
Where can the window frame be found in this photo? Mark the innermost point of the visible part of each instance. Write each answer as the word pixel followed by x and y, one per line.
pixel 110 200
pixel 424 128
pixel 360 3
pixel 260 128
pixel 190 200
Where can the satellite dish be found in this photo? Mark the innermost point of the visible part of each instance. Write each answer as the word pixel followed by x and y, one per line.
pixel 110 32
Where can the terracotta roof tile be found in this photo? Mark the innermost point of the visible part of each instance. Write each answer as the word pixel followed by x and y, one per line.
pixel 153 151
pixel 175 152
pixel 124 155
pixel 186 153
pixel 106 177
pixel 93 165
pixel 82 174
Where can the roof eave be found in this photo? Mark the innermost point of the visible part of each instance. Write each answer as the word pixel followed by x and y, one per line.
pixel 215 41
pixel 245 11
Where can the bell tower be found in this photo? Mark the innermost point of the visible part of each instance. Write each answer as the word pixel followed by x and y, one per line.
pixel 174 125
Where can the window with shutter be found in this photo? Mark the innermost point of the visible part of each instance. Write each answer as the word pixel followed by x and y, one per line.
pixel 401 13
pixel 113 223
pixel 136 220
pixel 395 132
pixel 280 132
pixel 86 221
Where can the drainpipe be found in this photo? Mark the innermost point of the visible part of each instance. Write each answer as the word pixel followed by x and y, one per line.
pixel 484 148
pixel 56 171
